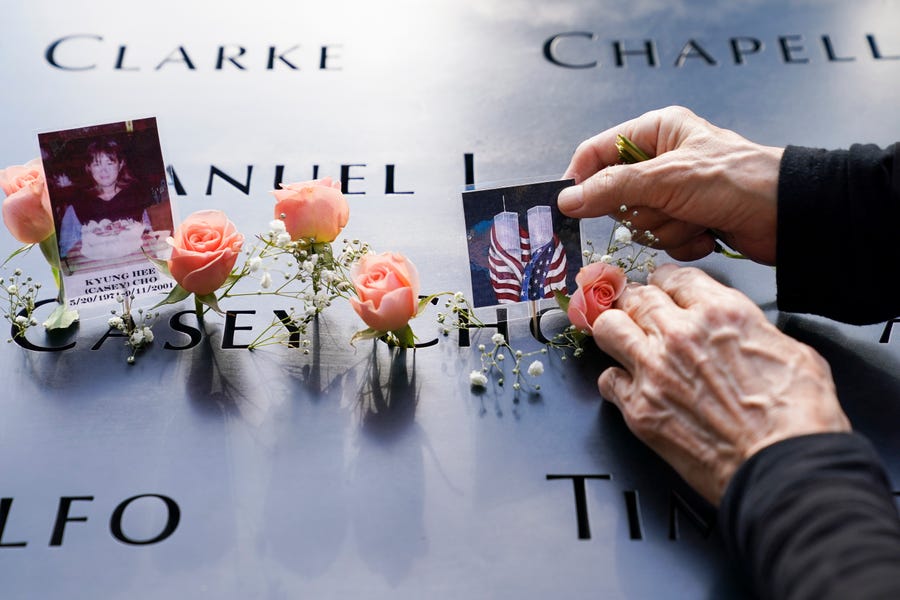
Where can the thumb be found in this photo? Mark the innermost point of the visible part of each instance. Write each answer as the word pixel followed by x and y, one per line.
pixel 605 191
pixel 615 385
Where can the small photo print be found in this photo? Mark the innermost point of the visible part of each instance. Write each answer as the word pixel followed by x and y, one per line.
pixel 111 208
pixel 521 248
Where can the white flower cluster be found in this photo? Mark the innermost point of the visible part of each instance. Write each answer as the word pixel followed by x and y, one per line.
pixel 138 334
pixel 278 235
pixel 478 379
pixel 321 272
pixel 20 295
pixel 141 336
pixel 627 248
pixel 491 363
pixel 351 252
pixel 316 301
pixel 458 306
pixel 459 314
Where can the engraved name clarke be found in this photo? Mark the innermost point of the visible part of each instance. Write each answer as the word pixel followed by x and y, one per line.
pixel 87 52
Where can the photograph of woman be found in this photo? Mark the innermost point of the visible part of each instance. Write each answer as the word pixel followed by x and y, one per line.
pixel 109 194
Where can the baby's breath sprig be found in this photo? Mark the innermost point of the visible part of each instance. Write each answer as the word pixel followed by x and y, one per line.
pixel 138 332
pixel 290 329
pixel 627 248
pixel 461 315
pixel 493 360
pixel 305 271
pixel 568 339
pixel 20 291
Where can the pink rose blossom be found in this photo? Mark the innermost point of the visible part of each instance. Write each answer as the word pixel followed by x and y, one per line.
pixel 599 285
pixel 204 249
pixel 314 209
pixel 26 209
pixel 388 289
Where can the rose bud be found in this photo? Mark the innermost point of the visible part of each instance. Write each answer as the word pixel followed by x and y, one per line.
pixel 204 249
pixel 388 289
pixel 26 209
pixel 599 285
pixel 312 210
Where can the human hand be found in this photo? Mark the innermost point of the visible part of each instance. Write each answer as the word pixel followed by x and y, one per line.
pixel 703 182
pixel 707 381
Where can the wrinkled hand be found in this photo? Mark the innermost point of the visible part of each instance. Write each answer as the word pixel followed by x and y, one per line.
pixel 703 178
pixel 707 380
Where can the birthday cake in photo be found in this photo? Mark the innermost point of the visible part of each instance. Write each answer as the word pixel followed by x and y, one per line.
pixel 107 239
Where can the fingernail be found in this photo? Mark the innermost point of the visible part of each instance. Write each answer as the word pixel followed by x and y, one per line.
pixel 570 199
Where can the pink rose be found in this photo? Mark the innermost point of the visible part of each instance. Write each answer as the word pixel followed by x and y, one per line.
pixel 204 249
pixel 314 209
pixel 26 209
pixel 599 285
pixel 388 289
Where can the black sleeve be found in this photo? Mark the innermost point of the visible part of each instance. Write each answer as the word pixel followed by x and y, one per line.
pixel 813 517
pixel 837 238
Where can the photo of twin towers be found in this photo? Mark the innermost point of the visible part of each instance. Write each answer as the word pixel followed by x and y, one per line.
pixel 521 248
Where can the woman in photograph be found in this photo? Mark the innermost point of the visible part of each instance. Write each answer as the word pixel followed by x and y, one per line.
pixel 113 197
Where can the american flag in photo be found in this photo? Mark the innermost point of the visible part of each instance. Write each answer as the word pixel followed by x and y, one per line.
pixel 545 272
pixel 507 270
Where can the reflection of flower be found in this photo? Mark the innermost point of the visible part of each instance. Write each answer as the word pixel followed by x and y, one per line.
pixel 204 249
pixel 387 286
pixel 26 209
pixel 599 285
pixel 312 210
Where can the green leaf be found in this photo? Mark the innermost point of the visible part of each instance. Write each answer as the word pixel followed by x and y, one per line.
pixel 57 279
pixel 366 334
pixel 721 249
pixel 50 249
pixel 562 300
pixel 211 301
pixel 424 302
pixel 177 294
pixel 321 248
pixel 160 264
pixel 61 318
pixel 21 250
pixel 405 337
pixel 232 279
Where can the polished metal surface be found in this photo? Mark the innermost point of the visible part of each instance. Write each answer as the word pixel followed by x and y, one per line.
pixel 363 470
